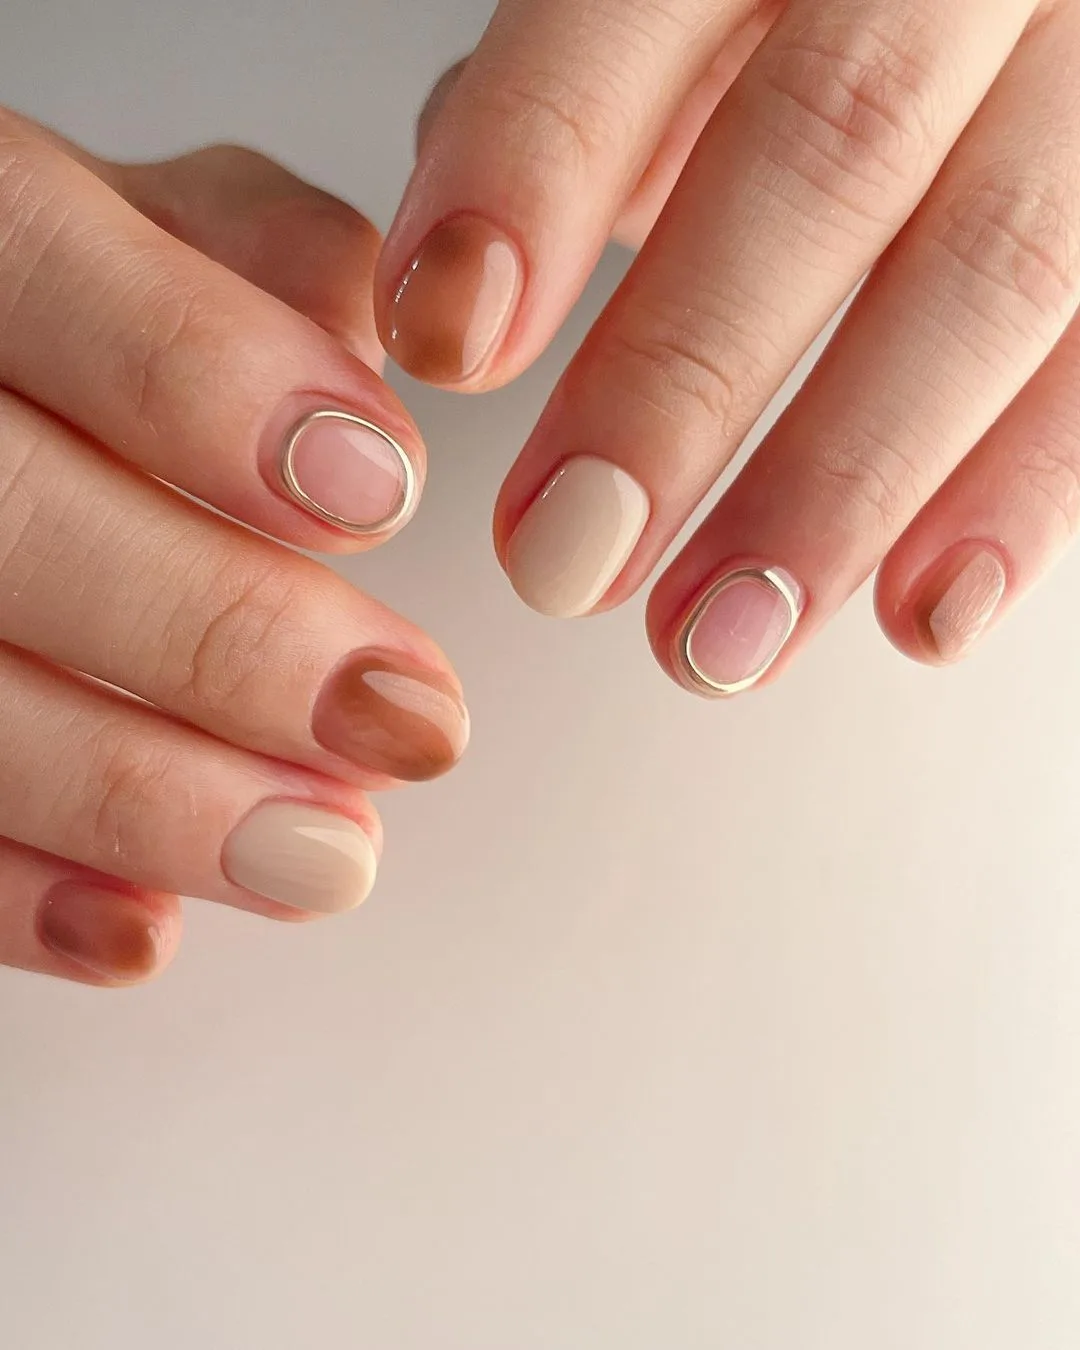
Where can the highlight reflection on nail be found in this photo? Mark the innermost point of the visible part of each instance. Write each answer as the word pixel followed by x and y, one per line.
pixel 738 629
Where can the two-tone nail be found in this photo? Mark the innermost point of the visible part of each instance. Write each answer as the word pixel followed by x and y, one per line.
pixel 964 601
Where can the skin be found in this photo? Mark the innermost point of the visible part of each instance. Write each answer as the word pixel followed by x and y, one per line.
pixel 765 159
pixel 172 321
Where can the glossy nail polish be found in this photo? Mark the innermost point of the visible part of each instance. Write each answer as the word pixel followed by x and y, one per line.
pixel 968 605
pixel 383 714
pixel 576 537
pixel 348 472
pixel 737 631
pixel 301 856
pixel 455 302
pixel 107 933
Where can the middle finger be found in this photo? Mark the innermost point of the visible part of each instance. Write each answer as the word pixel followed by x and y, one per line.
pixel 807 171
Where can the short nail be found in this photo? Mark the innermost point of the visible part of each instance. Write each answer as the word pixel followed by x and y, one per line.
pixel 348 472
pixel 576 538
pixel 396 719
pixel 106 933
pixel 739 629
pixel 301 856
pixel 967 606
pixel 455 302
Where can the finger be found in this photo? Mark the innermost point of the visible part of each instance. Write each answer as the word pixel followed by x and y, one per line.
pixel 810 167
pixel 69 922
pixel 253 216
pixel 110 784
pixel 949 329
pixel 188 371
pixel 106 572
pixel 996 528
pixel 522 175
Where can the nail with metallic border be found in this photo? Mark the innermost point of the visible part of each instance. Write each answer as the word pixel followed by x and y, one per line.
pixel 348 472
pixel 737 630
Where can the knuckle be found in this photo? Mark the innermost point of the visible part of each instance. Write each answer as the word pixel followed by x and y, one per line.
pixel 853 106
pixel 128 774
pixel 554 117
pixel 222 671
pixel 1020 238
pixel 870 486
pixel 685 363
pixel 1050 469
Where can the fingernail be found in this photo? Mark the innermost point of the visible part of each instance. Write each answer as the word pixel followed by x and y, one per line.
pixel 109 934
pixel 301 856
pixel 348 472
pixel 396 719
pixel 455 302
pixel 971 601
pixel 739 629
pixel 577 537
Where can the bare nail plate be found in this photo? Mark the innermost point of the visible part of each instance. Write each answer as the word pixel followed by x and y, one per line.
pixel 738 630
pixel 455 302
pixel 961 615
pixel 106 933
pixel 382 714
pixel 576 538
pixel 301 856
pixel 348 472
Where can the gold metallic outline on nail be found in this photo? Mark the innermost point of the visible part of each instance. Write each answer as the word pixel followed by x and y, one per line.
pixel 293 488
pixel 698 678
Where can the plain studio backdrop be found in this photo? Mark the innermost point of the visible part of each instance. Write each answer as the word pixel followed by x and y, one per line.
pixel 670 1027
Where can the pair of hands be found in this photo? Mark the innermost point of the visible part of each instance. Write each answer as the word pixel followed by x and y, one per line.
pixel 208 324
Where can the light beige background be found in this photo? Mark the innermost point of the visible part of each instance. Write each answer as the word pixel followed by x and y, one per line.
pixel 671 1027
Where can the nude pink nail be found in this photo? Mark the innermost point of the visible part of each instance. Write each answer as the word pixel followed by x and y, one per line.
pixel 738 630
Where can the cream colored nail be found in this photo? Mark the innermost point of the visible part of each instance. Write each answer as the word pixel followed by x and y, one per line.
pixel 576 538
pixel 963 612
pixel 303 857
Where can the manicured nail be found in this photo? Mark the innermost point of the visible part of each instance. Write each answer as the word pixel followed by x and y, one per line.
pixel 738 630
pixel 301 856
pixel 348 472
pixel 396 719
pixel 109 934
pixel 971 601
pixel 455 302
pixel 577 537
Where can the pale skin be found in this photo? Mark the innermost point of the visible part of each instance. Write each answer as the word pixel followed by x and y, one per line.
pixel 765 158
pixel 177 322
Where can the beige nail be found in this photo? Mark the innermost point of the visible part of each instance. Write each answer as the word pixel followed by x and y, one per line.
pixel 969 604
pixel 303 857
pixel 577 537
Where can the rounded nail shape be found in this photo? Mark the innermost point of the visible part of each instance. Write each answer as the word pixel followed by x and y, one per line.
pixel 301 856
pixel 738 629
pixel 109 934
pixel 349 472
pixel 396 719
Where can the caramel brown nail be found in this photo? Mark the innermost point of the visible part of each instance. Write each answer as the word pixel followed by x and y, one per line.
pixel 107 933
pixel 392 718
pixel 455 302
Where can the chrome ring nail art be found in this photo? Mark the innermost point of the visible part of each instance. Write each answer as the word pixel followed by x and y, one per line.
pixel 291 483
pixel 698 678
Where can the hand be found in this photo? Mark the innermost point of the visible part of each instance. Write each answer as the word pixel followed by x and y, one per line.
pixel 200 325
pixel 783 151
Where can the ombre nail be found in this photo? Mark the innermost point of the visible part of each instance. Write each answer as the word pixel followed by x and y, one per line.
pixel 107 933
pixel 455 302
pixel 395 718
